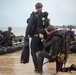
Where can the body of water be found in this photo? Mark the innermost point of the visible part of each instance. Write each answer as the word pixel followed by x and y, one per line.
pixel 20 30
pixel 15 30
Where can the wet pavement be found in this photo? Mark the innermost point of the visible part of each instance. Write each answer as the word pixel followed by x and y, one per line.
pixel 10 65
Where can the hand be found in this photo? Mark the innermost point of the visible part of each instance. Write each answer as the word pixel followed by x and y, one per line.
pixel 41 36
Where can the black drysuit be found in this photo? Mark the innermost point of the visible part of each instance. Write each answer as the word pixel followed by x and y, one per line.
pixel 52 39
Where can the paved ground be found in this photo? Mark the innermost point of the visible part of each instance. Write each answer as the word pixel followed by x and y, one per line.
pixel 10 65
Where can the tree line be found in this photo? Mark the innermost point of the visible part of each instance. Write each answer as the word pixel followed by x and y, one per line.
pixel 64 26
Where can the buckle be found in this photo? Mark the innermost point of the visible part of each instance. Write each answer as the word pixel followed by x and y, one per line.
pixel 35 35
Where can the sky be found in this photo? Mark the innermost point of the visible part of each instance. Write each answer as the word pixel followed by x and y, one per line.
pixel 14 13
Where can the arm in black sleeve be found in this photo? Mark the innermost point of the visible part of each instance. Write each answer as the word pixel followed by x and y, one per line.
pixel 44 33
pixel 52 41
pixel 31 22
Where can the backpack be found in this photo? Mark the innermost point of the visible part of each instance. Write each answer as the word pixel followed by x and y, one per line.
pixel 41 22
pixel 8 37
pixel 61 48
pixel 65 43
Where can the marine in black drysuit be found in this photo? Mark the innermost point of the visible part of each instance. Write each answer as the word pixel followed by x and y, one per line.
pixel 8 37
pixel 36 43
pixel 50 41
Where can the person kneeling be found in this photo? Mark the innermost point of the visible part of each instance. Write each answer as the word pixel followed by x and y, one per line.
pixel 51 50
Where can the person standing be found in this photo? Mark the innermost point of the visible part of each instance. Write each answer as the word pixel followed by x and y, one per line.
pixel 36 25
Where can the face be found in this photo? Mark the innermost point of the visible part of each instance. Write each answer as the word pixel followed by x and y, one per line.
pixel 41 8
pixel 68 29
